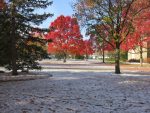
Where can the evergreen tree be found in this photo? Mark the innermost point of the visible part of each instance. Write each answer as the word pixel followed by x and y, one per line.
pixel 25 49
pixel 4 39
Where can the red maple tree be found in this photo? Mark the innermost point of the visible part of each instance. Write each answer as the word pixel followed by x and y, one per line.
pixel 138 39
pixel 88 48
pixel 66 37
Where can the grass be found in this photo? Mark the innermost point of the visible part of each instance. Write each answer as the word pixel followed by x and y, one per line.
pixel 123 62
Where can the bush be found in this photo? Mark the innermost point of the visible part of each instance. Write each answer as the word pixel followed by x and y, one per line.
pixel 79 57
pixel 59 56
pixel 134 60
pixel 123 56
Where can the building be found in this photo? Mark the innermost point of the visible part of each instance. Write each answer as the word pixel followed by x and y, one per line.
pixel 135 54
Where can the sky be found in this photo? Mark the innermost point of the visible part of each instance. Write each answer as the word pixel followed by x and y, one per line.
pixel 60 7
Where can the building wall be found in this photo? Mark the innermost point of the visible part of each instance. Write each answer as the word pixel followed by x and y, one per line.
pixel 148 52
pixel 134 54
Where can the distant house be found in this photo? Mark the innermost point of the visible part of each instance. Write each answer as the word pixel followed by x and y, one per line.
pixel 134 54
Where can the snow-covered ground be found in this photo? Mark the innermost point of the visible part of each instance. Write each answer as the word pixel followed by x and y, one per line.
pixel 77 91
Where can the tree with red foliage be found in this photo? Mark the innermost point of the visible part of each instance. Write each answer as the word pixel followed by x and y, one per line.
pixel 116 16
pixel 139 38
pixel 97 33
pixel 88 48
pixel 66 37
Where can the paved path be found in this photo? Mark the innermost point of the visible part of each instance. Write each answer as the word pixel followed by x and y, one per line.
pixel 77 92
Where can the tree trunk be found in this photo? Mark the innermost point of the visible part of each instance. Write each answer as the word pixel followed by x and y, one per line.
pixel 141 56
pixel 13 42
pixel 103 53
pixel 103 57
pixel 86 57
pixel 65 57
pixel 117 59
